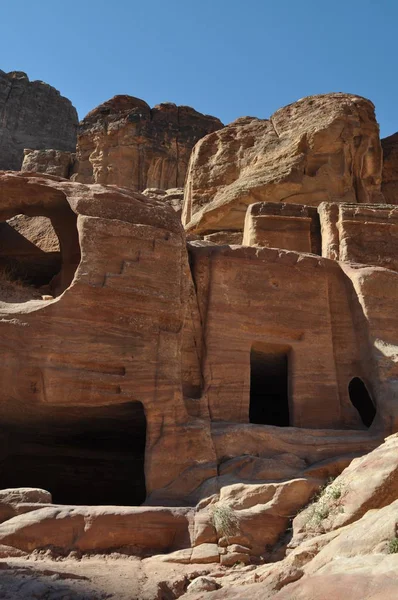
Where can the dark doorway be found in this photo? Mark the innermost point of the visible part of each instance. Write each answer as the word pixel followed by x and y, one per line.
pixel 269 393
pixel 82 455
pixel 362 401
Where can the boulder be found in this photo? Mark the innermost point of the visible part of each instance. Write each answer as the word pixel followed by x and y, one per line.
pixel 205 553
pixel 369 482
pixel 99 528
pixel 53 162
pixel 35 116
pixel 126 143
pixel 321 148
pixel 203 584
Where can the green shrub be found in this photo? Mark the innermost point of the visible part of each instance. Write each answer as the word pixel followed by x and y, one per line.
pixel 393 546
pixel 325 504
pixel 224 519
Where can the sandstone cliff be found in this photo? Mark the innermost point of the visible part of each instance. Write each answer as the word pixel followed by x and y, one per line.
pixel 33 115
pixel 389 184
pixel 126 143
pixel 321 148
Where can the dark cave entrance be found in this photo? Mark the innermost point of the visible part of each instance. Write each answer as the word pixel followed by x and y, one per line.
pixel 362 401
pixel 269 385
pixel 81 455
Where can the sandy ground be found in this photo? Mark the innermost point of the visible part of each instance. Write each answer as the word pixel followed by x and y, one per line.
pixel 95 578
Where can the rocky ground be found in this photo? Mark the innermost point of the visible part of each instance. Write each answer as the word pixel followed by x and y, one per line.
pixel 346 538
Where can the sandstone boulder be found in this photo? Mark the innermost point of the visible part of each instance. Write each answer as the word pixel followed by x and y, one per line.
pixel 321 148
pixel 203 584
pixel 34 115
pixel 369 482
pixel 98 529
pixel 53 162
pixel 126 143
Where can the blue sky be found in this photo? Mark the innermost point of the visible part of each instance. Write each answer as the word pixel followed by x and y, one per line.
pixel 223 57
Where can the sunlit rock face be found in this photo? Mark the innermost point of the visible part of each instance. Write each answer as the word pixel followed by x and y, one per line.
pixel 33 115
pixel 321 148
pixel 124 142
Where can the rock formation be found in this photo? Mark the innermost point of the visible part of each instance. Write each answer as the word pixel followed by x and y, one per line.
pixel 389 185
pixel 321 148
pixel 126 143
pixel 33 115
pixel 53 162
pixel 192 393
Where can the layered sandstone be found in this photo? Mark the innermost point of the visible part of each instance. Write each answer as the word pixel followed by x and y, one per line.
pixel 321 148
pixel 389 185
pixel 33 115
pixel 126 143
pixel 117 389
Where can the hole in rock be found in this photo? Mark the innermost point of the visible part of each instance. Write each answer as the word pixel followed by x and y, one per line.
pixel 38 255
pixel 269 387
pixel 362 401
pixel 81 455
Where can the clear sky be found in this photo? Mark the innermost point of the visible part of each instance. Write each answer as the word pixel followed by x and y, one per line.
pixel 227 58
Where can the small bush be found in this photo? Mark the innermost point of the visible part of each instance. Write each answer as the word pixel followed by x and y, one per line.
pixel 325 504
pixel 224 520
pixel 393 546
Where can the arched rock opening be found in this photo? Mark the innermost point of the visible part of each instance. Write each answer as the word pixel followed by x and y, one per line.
pixel 269 385
pixel 39 249
pixel 362 401
pixel 82 455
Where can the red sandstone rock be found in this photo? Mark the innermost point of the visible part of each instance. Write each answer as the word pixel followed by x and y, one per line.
pixel 389 184
pixel 321 148
pixel 126 143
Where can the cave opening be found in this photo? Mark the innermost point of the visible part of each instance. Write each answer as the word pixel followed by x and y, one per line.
pixel 82 455
pixel 269 385
pixel 362 401
pixel 38 255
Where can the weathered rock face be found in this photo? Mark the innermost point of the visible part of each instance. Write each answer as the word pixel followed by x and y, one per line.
pixel 365 234
pixel 389 184
pixel 321 148
pixel 174 197
pixel 33 115
pixel 128 395
pixel 53 162
pixel 126 143
pixel 280 225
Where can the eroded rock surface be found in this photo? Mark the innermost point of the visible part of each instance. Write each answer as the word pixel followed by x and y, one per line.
pixel 321 148
pixel 389 185
pixel 126 143
pixel 53 162
pixel 33 115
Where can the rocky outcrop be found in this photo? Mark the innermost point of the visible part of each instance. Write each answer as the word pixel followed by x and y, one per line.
pixel 321 148
pixel 351 541
pixel 33 115
pixel 118 389
pixel 174 197
pixel 126 143
pixel 53 162
pixel 389 184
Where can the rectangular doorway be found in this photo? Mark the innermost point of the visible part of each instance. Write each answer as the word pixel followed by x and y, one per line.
pixel 269 384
